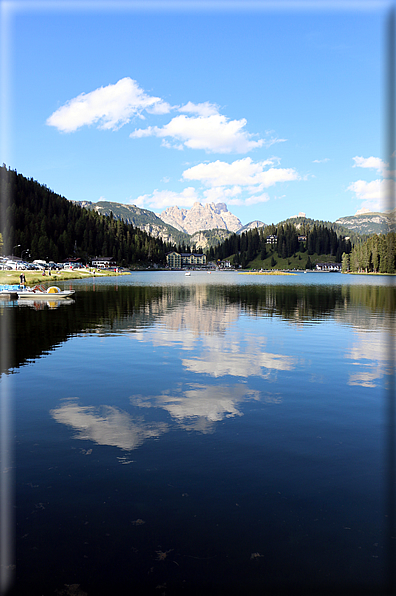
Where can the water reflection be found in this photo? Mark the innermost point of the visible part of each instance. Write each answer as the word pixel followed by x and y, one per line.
pixel 232 356
pixel 261 404
pixel 197 407
pixel 42 304
pixel 201 310
pixel 109 426
pixel 371 353
pixel 202 327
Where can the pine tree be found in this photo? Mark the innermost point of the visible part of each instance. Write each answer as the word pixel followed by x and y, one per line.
pixel 345 263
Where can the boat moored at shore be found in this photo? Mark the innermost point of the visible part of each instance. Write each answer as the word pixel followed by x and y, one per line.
pixel 51 293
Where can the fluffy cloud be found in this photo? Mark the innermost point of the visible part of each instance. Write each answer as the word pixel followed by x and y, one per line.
pixel 199 126
pixel 370 162
pixel 202 109
pixel 219 193
pixel 238 183
pixel 227 181
pixel 375 195
pixel 161 199
pixel 373 191
pixel 109 107
pixel 213 133
pixel 243 172
pixel 252 200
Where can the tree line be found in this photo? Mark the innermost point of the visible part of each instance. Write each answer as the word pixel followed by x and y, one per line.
pixel 54 228
pixel 250 245
pixel 376 255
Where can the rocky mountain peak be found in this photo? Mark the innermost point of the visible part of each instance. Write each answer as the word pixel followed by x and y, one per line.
pixel 201 217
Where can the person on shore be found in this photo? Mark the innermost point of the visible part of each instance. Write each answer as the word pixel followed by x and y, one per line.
pixel 22 280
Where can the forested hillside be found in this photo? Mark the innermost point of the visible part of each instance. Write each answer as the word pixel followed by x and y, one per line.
pixel 52 227
pixel 140 218
pixel 251 248
pixel 304 224
pixel 376 255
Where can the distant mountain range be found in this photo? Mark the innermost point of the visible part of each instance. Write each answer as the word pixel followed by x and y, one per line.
pixel 141 218
pixel 370 223
pixel 201 217
pixel 206 225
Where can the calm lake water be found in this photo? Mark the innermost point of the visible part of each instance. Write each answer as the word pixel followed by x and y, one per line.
pixel 212 434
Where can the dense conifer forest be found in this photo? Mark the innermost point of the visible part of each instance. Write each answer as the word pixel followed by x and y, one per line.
pixel 375 255
pixel 49 227
pixel 53 228
pixel 252 246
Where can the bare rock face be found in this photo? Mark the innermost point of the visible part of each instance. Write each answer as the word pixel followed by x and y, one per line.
pixel 370 223
pixel 201 217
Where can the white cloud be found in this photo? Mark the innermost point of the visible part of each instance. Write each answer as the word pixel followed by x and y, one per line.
pixel 368 190
pixel 219 193
pixel 374 195
pixel 239 183
pixel 213 133
pixel 231 196
pixel 321 160
pixel 202 109
pixel 377 194
pixel 252 200
pixel 109 107
pixel 243 172
pixel 160 199
pixel 370 162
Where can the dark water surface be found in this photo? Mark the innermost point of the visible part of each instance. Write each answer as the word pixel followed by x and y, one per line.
pixel 221 434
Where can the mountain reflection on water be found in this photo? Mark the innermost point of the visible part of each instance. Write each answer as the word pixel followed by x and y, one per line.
pixel 200 309
pixel 179 316
pixel 203 438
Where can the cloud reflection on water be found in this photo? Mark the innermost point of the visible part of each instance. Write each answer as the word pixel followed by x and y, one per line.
pixel 370 354
pixel 232 356
pixel 110 427
pixel 197 407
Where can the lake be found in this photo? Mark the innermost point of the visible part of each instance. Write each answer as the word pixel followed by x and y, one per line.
pixel 212 434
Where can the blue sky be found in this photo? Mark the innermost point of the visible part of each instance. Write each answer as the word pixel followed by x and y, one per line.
pixel 271 111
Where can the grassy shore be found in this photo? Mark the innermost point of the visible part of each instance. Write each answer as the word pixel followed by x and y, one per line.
pixel 36 277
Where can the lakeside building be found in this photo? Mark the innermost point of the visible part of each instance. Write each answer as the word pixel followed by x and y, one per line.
pixel 173 260
pixel 224 264
pixel 328 266
pixel 103 262
pixel 176 260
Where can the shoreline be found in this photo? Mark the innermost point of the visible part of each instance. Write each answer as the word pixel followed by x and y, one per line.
pixel 36 277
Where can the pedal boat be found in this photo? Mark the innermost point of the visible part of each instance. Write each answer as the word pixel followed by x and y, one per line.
pixel 39 292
